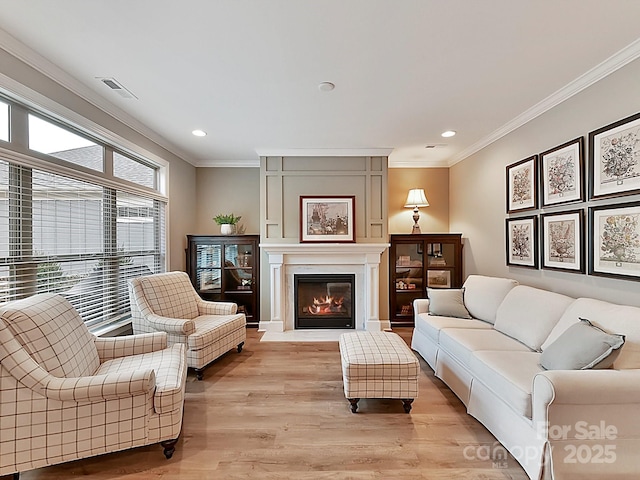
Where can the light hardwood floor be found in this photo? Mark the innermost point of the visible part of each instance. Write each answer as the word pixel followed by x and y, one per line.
pixel 277 411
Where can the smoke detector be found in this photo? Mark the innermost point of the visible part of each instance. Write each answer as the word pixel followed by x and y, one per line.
pixel 117 87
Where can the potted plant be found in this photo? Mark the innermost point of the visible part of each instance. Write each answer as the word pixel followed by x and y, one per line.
pixel 227 223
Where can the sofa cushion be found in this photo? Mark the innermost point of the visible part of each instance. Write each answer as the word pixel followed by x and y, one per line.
pixel 621 319
pixel 52 332
pixel 483 295
pixel 509 375
pixel 462 342
pixel 431 325
pixel 447 302
pixel 580 347
pixel 529 314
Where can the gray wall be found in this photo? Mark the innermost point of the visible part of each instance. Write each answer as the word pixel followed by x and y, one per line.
pixel 222 190
pixel 477 186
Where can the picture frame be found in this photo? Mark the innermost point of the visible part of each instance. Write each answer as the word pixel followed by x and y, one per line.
pixel 614 159
pixel 614 241
pixel 438 278
pixel 562 242
pixel 327 219
pixel 522 241
pixel 522 181
pixel 561 173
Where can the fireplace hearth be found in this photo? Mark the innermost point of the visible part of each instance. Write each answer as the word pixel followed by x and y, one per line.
pixel 324 301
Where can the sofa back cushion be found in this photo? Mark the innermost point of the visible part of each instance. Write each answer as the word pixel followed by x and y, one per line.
pixel 170 295
pixel 612 318
pixel 529 314
pixel 483 295
pixel 52 332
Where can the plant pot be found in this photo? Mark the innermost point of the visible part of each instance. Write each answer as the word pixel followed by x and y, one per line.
pixel 227 229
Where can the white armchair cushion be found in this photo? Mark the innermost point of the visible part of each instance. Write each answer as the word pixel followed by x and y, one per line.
pixel 170 295
pixel 53 333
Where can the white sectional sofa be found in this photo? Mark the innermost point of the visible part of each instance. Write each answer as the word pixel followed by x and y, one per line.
pixel 558 423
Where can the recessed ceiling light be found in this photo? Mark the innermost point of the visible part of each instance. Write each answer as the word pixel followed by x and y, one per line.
pixel 448 133
pixel 326 86
pixel 199 133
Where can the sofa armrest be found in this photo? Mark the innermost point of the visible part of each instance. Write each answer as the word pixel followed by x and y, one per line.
pixel 216 308
pixel 116 347
pixel 180 326
pixel 564 397
pixel 420 305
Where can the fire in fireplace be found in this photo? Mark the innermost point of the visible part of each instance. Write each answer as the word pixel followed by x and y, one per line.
pixel 324 301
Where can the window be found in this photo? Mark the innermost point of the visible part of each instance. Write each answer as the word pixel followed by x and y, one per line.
pixel 133 170
pixel 76 234
pixel 4 121
pixel 80 240
pixel 46 137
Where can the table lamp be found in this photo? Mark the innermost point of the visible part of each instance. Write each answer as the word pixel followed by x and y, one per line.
pixel 415 199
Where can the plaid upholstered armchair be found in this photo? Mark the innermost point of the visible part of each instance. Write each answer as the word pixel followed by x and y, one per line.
pixel 167 302
pixel 66 394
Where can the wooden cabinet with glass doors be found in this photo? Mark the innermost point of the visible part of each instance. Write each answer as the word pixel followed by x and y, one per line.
pixel 418 262
pixel 225 268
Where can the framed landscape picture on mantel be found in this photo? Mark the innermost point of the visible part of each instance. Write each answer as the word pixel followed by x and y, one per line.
pixel 614 154
pixel 328 219
pixel 561 172
pixel 521 185
pixel 615 240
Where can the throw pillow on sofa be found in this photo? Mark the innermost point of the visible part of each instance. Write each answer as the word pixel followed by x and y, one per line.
pixel 582 346
pixel 447 302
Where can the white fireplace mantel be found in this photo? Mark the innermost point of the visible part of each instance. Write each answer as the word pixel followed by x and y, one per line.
pixel 361 259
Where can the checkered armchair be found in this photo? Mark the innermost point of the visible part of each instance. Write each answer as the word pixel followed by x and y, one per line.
pixel 66 394
pixel 167 302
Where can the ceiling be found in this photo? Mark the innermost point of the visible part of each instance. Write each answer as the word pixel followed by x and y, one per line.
pixel 247 71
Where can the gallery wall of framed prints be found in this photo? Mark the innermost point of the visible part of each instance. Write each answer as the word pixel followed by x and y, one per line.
pixel 560 228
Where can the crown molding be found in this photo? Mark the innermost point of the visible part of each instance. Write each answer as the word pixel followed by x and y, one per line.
pixel 418 163
pixel 36 61
pixel 246 163
pixel 324 152
pixel 628 54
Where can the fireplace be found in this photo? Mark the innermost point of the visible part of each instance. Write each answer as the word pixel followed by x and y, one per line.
pixel 287 260
pixel 324 301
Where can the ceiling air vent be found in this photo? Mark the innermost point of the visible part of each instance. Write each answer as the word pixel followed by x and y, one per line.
pixel 436 145
pixel 117 87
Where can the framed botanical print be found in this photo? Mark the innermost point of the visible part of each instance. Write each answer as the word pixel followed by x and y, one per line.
pixel 614 237
pixel 327 219
pixel 521 185
pixel 561 173
pixel 522 241
pixel 614 154
pixel 562 241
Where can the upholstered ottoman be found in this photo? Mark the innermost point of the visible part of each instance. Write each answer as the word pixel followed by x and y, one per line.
pixel 378 365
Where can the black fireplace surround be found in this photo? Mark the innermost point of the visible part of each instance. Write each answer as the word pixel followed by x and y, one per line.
pixel 324 301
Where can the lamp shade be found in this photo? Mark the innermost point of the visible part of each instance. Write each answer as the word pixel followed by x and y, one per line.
pixel 416 198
